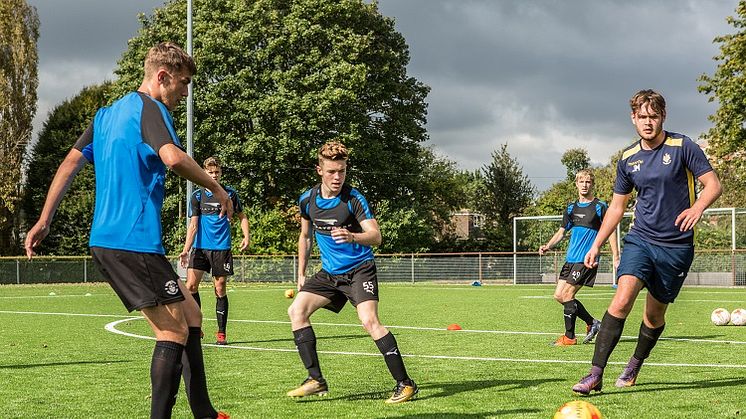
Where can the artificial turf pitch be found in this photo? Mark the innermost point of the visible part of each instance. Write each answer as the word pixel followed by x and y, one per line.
pixel 79 354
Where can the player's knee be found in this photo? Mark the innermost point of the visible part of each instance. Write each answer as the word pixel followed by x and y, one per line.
pixel 370 323
pixel 558 297
pixel 621 305
pixel 297 313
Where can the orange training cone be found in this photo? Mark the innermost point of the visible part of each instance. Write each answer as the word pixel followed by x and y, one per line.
pixel 453 326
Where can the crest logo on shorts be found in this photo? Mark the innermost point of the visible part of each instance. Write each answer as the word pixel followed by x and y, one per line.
pixel 666 159
pixel 227 266
pixel 172 288
pixel 369 287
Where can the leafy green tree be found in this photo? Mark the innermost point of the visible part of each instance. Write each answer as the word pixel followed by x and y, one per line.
pixel 575 160
pixel 72 222
pixel 726 140
pixel 506 193
pixel 19 31
pixel 278 78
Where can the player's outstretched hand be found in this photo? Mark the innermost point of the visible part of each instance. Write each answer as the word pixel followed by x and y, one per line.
pixel 184 259
pixel 543 249
pixel 688 219
pixel 591 258
pixel 244 243
pixel 226 205
pixel 301 281
pixel 341 235
pixel 34 236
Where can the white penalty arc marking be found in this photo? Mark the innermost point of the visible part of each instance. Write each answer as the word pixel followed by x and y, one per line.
pixel 357 326
pixel 112 328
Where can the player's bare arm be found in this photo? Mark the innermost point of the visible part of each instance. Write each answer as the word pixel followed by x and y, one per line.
pixel 371 235
pixel 186 167
pixel 304 250
pixel 614 244
pixel 69 168
pixel 710 193
pixel 612 218
pixel 244 220
pixel 556 238
pixel 191 233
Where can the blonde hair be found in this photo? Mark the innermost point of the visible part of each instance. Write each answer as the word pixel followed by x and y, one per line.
pixel 170 56
pixel 332 150
pixel 585 173
pixel 211 162
pixel 651 97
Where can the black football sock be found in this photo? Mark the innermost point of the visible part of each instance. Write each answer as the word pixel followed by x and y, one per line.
pixel 395 363
pixel 165 371
pixel 582 313
pixel 607 339
pixel 646 340
pixel 196 298
pixel 195 380
pixel 570 314
pixel 305 341
pixel 221 312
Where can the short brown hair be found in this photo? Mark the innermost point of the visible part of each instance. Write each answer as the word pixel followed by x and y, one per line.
pixel 170 56
pixel 211 161
pixel 585 173
pixel 333 150
pixel 648 96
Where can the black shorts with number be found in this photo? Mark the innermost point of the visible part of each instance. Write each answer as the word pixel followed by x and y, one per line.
pixel 355 286
pixel 578 274
pixel 140 280
pixel 218 262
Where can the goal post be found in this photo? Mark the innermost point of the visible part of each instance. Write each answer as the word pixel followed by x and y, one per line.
pixel 722 230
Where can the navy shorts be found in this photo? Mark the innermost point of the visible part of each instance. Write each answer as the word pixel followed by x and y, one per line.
pixel 355 286
pixel 662 269
pixel 578 274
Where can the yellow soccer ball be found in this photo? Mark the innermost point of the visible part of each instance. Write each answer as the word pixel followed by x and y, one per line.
pixel 290 293
pixel 578 409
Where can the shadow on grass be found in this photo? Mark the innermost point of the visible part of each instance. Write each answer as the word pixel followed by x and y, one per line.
pixel 290 339
pixel 671 386
pixel 436 390
pixel 56 364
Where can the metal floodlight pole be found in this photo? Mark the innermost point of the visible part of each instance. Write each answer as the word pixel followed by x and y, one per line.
pixel 190 109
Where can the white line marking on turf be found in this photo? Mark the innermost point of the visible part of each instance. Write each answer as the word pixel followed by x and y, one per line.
pixel 594 297
pixel 112 328
pixel 436 329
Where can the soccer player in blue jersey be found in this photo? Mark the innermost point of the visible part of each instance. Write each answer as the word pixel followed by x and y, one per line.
pixel 211 236
pixel 130 144
pixel 582 219
pixel 659 248
pixel 343 225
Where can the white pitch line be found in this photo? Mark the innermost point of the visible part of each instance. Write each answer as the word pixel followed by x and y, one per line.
pixel 357 326
pixel 594 297
pixel 17 297
pixel 112 328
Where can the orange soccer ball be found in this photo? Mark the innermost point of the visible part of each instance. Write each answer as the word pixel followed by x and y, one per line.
pixel 290 293
pixel 578 409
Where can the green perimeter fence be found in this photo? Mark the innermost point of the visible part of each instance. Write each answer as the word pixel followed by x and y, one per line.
pixel 711 268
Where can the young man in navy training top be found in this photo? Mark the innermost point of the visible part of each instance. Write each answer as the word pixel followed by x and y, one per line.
pixel 659 248
pixel 344 228
pixel 583 219
pixel 130 143
pixel 211 236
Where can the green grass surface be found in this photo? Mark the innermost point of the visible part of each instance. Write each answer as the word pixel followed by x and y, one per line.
pixel 57 360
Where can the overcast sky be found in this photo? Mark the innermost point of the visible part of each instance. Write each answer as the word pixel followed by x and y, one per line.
pixel 542 76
